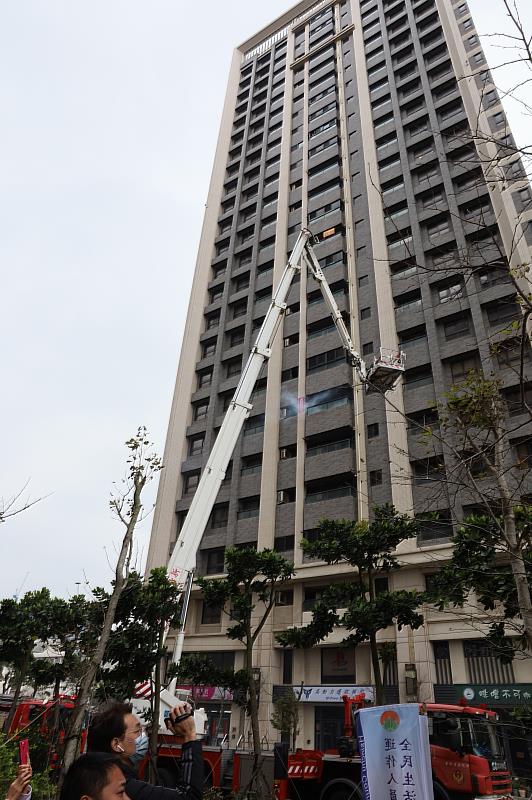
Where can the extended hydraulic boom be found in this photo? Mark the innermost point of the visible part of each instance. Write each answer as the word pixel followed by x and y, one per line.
pixel 380 377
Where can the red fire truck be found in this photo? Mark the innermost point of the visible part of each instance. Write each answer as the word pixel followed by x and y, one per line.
pixel 48 717
pixel 466 753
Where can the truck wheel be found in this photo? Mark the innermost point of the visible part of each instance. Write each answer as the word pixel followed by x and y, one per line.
pixel 439 792
pixel 344 791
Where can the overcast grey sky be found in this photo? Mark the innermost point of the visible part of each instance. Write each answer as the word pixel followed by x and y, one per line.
pixel 110 111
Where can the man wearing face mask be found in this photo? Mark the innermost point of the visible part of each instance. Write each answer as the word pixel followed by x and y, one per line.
pixel 118 731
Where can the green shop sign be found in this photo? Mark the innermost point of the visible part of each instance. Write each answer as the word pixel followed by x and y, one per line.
pixel 511 694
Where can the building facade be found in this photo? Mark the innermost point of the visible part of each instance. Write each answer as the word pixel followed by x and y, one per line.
pixel 377 125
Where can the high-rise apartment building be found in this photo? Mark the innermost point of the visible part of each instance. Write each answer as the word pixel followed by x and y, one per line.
pixel 355 119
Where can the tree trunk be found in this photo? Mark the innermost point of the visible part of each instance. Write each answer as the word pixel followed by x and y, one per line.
pixel 518 568
pixel 515 552
pixel 253 704
pixel 379 688
pixel 18 687
pixel 73 733
pixel 154 732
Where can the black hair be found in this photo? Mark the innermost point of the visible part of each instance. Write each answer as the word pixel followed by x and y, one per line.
pixel 88 775
pixel 107 725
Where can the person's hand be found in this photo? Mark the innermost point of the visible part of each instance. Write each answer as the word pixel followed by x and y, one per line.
pixel 187 728
pixel 20 784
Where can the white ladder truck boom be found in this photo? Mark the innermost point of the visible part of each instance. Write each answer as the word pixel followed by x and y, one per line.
pixel 382 376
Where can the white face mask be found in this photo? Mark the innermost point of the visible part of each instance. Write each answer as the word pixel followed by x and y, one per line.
pixel 141 748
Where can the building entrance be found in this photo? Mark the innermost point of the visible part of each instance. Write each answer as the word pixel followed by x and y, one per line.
pixel 328 726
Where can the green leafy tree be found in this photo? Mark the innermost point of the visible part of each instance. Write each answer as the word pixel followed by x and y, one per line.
pixel 353 604
pixel 479 441
pixel 479 564
pixel 23 623
pixel 247 595
pixel 285 717
pixel 136 650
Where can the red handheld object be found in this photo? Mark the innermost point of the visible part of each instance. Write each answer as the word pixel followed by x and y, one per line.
pixel 24 751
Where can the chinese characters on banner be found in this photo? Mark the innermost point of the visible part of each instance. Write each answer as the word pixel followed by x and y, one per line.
pixel 394 749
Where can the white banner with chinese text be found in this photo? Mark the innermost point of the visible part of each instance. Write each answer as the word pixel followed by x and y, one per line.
pixel 394 749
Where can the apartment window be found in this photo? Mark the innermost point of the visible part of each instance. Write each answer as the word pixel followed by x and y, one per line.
pixel 375 477
pixel 324 401
pixel 204 378
pixel 242 282
pixel 208 348
pixel 484 664
pixel 505 310
pixel 389 163
pixel 430 175
pixel 323 110
pixel 462 367
pixel 425 420
pixel 381 103
pixel 288 411
pixel 289 374
pixel 427 470
pixel 411 335
pixel 438 528
pixel 201 410
pixel 325 127
pixel 210 614
pixel 508 352
pixel 285 597
pixel 214 560
pixel 311 594
pixel 326 360
pixel 195 445
pixel 254 425
pixel 316 446
pixel 190 482
pixel 391 188
pixel 233 367
pixel 236 336
pixel 403 269
pixel 442 656
pixel 212 320
pixel 456 327
pixel 239 309
pixel 419 376
pixel 216 294
pixel 523 451
pixel 438 228
pixel 382 121
pixel 324 210
pixel 248 507
pixel 409 301
pixel 219 270
pixel 514 400
pixel 363 280
pixel 367 348
pixel 365 313
pixel 373 430
pixel 447 294
pixel 323 146
pixel 378 85
pixel 286 496
pixel 219 516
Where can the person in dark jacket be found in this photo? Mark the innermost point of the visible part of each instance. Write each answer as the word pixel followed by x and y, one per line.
pixel 118 731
